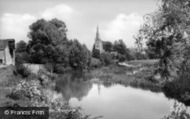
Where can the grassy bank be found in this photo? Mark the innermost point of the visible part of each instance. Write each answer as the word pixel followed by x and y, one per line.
pixel 136 73
pixel 7 82
pixel 35 91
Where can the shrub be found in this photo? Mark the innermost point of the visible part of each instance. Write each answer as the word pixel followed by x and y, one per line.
pixel 46 98
pixel 179 111
pixel 179 88
pixel 25 90
pixel 106 58
pixel 20 69
pixel 95 63
pixel 60 68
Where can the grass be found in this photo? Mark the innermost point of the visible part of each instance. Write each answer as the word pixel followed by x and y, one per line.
pixel 7 83
pixel 143 62
pixel 137 76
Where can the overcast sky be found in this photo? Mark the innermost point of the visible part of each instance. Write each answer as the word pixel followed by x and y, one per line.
pixel 117 19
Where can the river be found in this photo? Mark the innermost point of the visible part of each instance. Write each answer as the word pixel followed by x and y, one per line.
pixel 113 101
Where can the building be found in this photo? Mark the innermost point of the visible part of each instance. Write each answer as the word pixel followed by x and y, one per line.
pixel 98 45
pixel 7 51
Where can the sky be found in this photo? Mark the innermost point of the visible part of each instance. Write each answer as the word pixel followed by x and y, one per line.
pixel 117 19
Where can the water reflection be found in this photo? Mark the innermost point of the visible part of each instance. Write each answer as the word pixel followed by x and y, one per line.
pixel 75 85
pixel 119 102
pixel 112 101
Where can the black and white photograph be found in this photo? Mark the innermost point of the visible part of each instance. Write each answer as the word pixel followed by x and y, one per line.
pixel 94 59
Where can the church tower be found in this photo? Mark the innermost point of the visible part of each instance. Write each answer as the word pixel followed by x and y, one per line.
pixel 98 42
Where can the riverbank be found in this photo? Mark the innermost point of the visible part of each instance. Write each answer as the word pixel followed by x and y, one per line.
pixel 32 91
pixel 7 82
pixel 19 91
pixel 134 73
pixel 141 74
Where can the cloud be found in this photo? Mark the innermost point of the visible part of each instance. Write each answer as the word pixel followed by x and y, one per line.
pixel 123 27
pixel 15 25
pixel 62 12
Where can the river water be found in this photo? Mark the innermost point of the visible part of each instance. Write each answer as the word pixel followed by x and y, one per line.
pixel 113 101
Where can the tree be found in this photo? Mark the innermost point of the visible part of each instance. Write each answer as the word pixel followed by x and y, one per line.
pixel 21 47
pixel 107 46
pixel 165 31
pixel 120 47
pixel 21 53
pixel 47 42
pixel 95 53
pixel 106 58
pixel 79 57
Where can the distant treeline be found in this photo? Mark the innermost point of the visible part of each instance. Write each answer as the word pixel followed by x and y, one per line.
pixel 50 46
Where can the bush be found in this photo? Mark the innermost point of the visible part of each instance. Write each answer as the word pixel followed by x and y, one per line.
pixel 95 63
pixel 45 98
pixel 60 68
pixel 25 90
pixel 179 111
pixel 106 58
pixel 179 88
pixel 20 69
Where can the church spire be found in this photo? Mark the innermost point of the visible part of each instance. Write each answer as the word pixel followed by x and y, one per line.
pixel 97 34
pixel 98 42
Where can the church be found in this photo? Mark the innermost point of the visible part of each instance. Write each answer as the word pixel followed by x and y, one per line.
pixel 98 45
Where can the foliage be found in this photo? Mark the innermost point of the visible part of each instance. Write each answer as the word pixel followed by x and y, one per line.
pixel 49 46
pixel 106 58
pixel 107 46
pixel 179 111
pixel 40 97
pixel 25 90
pixel 21 46
pixel 20 69
pixel 140 56
pixel 120 47
pixel 179 88
pixel 129 76
pixel 79 57
pixel 167 33
pixel 47 39
pixel 22 55
pixel 95 63
pixel 95 53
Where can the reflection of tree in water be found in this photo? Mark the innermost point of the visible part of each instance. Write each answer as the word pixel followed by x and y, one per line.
pixel 73 85
pixel 107 84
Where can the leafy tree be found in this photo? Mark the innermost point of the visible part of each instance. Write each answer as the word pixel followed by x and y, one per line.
pixel 79 57
pixel 21 54
pixel 165 31
pixel 107 46
pixel 106 58
pixel 95 53
pixel 48 42
pixel 95 63
pixel 120 47
pixel 21 47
